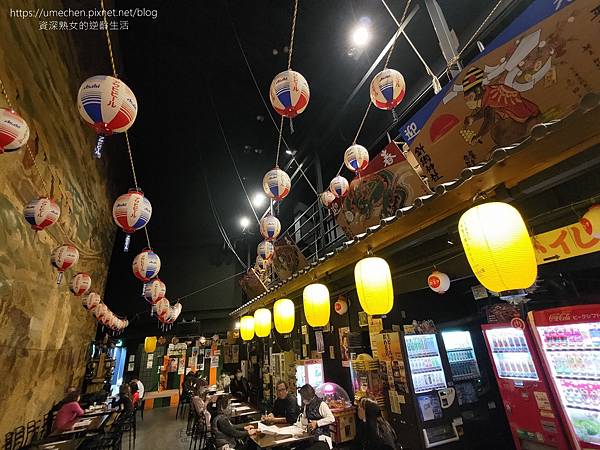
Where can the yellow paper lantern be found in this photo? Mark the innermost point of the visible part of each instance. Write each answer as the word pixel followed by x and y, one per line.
pixel 247 328
pixel 284 315
pixel 150 344
pixel 316 304
pixel 262 322
pixel 498 247
pixel 374 285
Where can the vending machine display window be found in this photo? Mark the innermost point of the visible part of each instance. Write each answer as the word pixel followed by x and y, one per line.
pixel 461 355
pixel 425 362
pixel 511 354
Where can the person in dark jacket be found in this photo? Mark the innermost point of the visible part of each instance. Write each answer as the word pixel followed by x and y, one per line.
pixel 285 408
pixel 125 401
pixel 378 433
pixel 239 386
pixel 224 432
pixel 317 416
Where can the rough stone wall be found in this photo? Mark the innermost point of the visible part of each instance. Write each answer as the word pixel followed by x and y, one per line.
pixel 44 331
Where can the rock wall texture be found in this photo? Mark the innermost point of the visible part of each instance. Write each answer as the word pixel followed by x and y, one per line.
pixel 44 331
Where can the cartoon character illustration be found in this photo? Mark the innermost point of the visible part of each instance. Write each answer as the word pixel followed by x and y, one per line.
pixel 506 115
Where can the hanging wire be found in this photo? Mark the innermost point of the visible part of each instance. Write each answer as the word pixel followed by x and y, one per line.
pixel 202 289
pixel 289 66
pixel 456 58
pixel 264 102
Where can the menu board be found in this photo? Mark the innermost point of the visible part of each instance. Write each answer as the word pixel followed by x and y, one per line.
pixel 425 362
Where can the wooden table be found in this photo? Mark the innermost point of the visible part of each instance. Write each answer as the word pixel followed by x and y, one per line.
pixel 95 424
pixel 71 444
pixel 272 441
pixel 247 410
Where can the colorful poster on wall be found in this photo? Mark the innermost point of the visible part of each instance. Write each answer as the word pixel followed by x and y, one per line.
pixel 173 364
pixel 535 71
pixel 194 359
pixel 235 354
pixel 344 347
pixel 563 243
pixel 149 361
pixel 388 183
pixel 319 341
pixel 375 327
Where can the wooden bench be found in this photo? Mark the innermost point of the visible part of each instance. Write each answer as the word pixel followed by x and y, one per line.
pixel 172 394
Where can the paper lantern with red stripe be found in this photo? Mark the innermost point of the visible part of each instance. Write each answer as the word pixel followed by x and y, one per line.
pixel 80 284
pixel 63 258
pixel 356 158
pixel 327 198
pixel 265 250
pixel 107 105
pixel 276 184
pixel 339 186
pixel 438 282
pixel 131 212
pixel 91 301
pixel 289 93
pixel 387 89
pixel 14 131
pixel 41 213
pixel 146 265
pixel 270 227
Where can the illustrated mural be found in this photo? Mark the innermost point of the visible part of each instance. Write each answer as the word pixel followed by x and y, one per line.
pixel 535 71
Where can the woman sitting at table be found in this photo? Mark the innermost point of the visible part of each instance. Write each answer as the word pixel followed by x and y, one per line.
pixel 125 402
pixel 135 396
pixel 68 413
pixel 378 433
pixel 200 401
pixel 225 433
pixel 317 416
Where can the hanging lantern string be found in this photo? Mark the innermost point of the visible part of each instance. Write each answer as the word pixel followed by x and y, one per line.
pixel 262 98
pixel 289 66
pixel 456 58
pixel 387 61
pixel 116 75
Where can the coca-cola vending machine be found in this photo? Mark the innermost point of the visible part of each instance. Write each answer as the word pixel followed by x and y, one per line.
pixel 569 339
pixel 532 413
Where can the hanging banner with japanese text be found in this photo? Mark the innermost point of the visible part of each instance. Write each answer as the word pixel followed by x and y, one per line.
pixel 537 70
pixel 562 243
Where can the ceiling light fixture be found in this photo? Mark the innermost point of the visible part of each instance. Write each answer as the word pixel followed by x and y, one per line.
pixel 361 36
pixel 259 199
pixel 244 222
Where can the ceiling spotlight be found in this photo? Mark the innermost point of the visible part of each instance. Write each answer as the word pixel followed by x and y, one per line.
pixel 290 152
pixel 244 222
pixel 361 36
pixel 259 199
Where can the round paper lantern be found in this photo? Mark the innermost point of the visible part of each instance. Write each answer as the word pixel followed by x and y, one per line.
pixel 247 328
pixel 341 306
pixel 339 186
pixel 150 344
pixel 356 158
pixel 162 308
pixel 62 258
pixel 99 310
pixel 591 221
pixel 262 263
pixel 327 198
pixel 387 89
pixel 41 212
pixel 131 212
pixel 284 315
pixel 316 304
pixel 270 227
pixel 154 290
pixel 146 265
pixel 14 131
pixel 80 284
pixel 262 322
pixel 289 93
pixel 276 184
pixel 107 105
pixel 265 250
pixel 438 282
pixel 498 247
pixel 91 301
pixel 374 285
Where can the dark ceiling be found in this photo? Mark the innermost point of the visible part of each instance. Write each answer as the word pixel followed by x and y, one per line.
pixel 186 66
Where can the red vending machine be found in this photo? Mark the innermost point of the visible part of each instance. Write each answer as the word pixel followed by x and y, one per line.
pixel 530 408
pixel 569 339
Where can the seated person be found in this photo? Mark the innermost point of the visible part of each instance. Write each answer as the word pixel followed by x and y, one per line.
pixel 125 401
pixel 134 393
pixel 224 432
pixel 378 433
pixel 239 386
pixel 317 415
pixel 200 401
pixel 285 408
pixel 68 413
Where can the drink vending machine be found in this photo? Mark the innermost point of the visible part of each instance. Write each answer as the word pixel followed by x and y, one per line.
pixel 530 407
pixel 569 343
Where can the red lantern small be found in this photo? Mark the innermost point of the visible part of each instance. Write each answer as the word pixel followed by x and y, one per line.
pixel 438 282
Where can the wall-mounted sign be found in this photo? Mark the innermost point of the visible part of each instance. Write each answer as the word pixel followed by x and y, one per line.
pixel 563 243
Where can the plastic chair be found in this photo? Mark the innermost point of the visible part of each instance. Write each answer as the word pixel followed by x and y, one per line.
pixel 140 407
pixel 185 398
